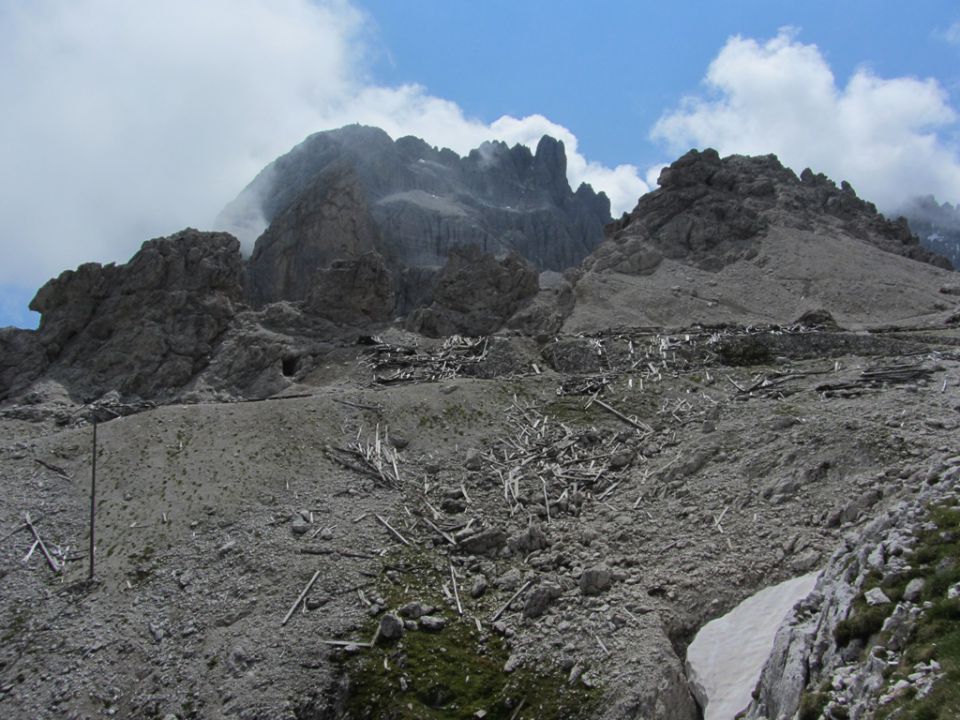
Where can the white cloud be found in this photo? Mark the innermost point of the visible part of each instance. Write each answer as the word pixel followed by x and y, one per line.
pixel 123 121
pixel 782 97
pixel 952 34
pixel 410 110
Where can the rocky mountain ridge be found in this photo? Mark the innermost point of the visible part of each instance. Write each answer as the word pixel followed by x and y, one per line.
pixel 732 240
pixel 937 225
pixel 345 192
pixel 310 509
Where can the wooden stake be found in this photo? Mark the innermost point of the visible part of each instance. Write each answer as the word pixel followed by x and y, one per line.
pixel 612 410
pixel 300 599
pixel 400 537
pixel 43 548
pixel 456 593
pixel 513 597
pixel 93 496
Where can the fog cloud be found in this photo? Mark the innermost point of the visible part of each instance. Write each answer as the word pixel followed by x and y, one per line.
pixel 781 96
pixel 124 121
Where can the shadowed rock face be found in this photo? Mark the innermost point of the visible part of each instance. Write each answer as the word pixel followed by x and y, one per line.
pixel 145 326
pixel 345 192
pixel 938 226
pixel 353 292
pixel 709 212
pixel 475 294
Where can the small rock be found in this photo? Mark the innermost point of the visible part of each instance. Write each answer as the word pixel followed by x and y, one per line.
pixel 299 526
pixel 513 662
pixel 391 627
pixel 914 590
pixel 539 599
pixel 474 460
pixel 399 441
pixel 227 547
pixel 595 581
pixel 479 586
pixel 486 542
pixel 415 610
pixel 876 596
pixel 953 592
pixel 432 623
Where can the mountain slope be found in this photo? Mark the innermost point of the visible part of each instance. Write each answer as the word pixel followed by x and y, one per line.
pixel 343 192
pixel 743 239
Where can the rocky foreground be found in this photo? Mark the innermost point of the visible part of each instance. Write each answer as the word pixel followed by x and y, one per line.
pixel 553 523
pixel 386 468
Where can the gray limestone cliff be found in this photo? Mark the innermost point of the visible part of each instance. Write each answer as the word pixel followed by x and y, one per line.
pixel 345 192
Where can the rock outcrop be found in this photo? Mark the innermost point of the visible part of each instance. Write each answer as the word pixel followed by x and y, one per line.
pixel 329 221
pixel 475 294
pixel 345 192
pixel 358 291
pixel 143 327
pixel 710 212
pixel 936 224
pixel 830 656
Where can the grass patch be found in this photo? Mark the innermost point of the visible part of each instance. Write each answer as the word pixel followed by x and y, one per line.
pixel 812 705
pixel 570 411
pixel 456 672
pixel 937 636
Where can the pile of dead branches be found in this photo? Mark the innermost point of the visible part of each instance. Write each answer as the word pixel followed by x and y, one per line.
pixel 548 467
pixel 394 364
pixel 377 459
pixel 878 377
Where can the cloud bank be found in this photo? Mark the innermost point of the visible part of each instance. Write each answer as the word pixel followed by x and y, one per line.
pixel 124 121
pixel 780 96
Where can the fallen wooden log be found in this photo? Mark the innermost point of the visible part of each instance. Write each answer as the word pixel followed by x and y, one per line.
pixel 43 548
pixel 301 598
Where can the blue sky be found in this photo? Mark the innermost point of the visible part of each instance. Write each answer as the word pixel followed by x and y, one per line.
pixel 125 121
pixel 608 70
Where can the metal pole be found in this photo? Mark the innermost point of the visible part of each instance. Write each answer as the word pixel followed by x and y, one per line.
pixel 93 493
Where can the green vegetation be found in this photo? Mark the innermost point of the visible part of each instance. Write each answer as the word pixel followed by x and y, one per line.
pixel 936 559
pixel 570 410
pixel 812 705
pixel 454 673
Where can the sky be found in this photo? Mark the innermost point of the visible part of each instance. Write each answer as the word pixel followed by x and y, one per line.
pixel 124 121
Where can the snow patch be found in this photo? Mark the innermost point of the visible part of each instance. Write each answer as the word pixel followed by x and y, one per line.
pixel 725 658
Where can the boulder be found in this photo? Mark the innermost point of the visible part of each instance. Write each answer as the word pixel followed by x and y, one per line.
pixel 595 581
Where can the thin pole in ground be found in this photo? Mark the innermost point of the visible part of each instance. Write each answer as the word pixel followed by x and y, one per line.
pixel 93 494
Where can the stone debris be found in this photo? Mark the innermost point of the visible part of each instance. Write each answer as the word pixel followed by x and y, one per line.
pixel 595 581
pixel 391 627
pixel 432 623
pixel 876 596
